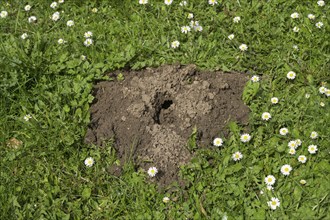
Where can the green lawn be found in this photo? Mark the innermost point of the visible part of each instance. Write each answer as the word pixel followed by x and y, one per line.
pixel 48 67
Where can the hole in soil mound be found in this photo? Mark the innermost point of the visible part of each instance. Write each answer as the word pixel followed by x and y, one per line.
pixel 151 114
pixel 162 114
pixel 167 104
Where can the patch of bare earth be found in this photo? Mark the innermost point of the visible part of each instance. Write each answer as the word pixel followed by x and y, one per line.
pixel 151 114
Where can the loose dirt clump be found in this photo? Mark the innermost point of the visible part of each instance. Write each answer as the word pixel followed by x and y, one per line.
pixel 151 114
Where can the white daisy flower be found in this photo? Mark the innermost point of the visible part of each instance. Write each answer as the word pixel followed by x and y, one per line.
pixel 231 36
pixel 295 47
pixel 166 200
pixel 266 116
pixel 307 95
pixel 292 151
pixel 70 23
pixel 61 41
pixel 302 182
pixel 152 171
pixel 185 29
pixel 243 47
pixel 183 3
pixel 56 16
pixel 194 23
pixel 319 24
pixel 270 188
pixel 175 44
pixel 95 10
pixel 236 19
pixel 314 135
pixel 274 203
pixel 83 57
pixel 60 1
pixel 312 149
pixel 213 2
pixel 311 16
pixel 284 131
pixel 217 142
pixel 322 89
pixel 261 192
pixel 294 15
pixel 298 142
pixel 27 117
pixel 245 138
pixel 270 180
pixel 291 75
pixel 296 29
pixel 24 36
pixel 190 16
pixel 327 92
pixel 27 7
pixel 322 104
pixel 143 2
pixel 255 78
pixel 321 3
pixel 168 2
pixel 302 159
pixel 53 5
pixel 286 169
pixel 292 144
pixel 32 19
pixel 88 42
pixel 237 156
pixel 88 34
pixel 274 100
pixel 89 162
pixel 3 14
pixel 198 28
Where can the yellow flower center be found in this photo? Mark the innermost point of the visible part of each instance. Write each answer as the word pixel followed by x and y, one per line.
pixel 286 169
pixel 269 179
pixel 274 203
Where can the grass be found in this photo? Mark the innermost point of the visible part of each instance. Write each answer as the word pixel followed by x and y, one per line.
pixel 45 177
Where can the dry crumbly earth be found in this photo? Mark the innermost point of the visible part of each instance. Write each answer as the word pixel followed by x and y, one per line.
pixel 151 114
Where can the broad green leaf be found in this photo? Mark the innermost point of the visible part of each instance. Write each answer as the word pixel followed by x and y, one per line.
pixel 86 193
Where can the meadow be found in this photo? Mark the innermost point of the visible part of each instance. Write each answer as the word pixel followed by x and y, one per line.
pixel 51 54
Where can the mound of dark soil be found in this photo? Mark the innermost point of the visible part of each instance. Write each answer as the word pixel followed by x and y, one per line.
pixel 151 114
